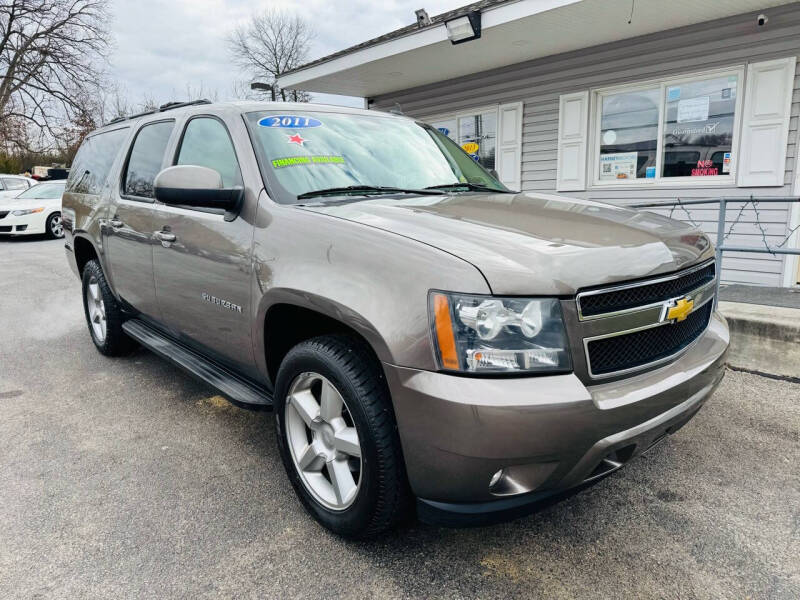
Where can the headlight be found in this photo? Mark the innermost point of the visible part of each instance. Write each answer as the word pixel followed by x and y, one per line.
pixel 487 334
pixel 27 211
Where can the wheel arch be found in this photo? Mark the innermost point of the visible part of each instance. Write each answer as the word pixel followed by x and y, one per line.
pixel 293 317
pixel 84 252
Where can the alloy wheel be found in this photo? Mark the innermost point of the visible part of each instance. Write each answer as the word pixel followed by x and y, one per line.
pixel 323 441
pixel 56 226
pixel 96 309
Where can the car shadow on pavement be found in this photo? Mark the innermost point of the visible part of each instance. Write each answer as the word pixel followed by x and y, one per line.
pixel 37 237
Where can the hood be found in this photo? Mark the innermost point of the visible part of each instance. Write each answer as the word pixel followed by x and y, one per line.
pixel 536 243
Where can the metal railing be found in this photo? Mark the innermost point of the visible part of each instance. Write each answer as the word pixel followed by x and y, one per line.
pixel 721 235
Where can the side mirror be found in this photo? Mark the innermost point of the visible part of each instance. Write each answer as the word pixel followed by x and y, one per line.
pixel 197 187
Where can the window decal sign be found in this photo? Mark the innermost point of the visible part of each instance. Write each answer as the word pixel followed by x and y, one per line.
pixel 619 165
pixel 704 169
pixel 296 138
pixel 609 137
pixel 673 93
pixel 693 109
pixel 444 130
pixel 726 162
pixel 289 122
pixel 470 147
pixel 650 173
pixel 292 161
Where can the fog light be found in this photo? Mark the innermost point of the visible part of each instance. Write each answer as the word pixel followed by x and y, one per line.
pixel 495 478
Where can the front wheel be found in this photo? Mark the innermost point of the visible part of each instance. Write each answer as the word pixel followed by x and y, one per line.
pixel 54 228
pixel 337 436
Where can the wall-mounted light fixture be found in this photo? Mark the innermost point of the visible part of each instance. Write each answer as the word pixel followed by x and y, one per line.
pixel 464 29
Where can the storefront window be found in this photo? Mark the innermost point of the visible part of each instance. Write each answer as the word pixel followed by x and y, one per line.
pixel 698 127
pixel 629 135
pixel 675 128
pixel 475 133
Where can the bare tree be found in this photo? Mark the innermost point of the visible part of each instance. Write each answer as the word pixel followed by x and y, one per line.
pixel 272 43
pixel 52 54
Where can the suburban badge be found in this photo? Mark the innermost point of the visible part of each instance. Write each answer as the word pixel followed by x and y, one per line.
pixel 221 302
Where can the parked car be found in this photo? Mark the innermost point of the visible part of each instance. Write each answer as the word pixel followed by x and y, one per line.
pixel 36 210
pixel 426 336
pixel 12 185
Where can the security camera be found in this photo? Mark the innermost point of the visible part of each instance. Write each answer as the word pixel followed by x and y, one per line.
pixel 762 20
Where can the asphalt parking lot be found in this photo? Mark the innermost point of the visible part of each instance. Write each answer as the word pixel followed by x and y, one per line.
pixel 126 478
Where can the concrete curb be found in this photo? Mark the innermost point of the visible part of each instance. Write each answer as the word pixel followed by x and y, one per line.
pixel 764 338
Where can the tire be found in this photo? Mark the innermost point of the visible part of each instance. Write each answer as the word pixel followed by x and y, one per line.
pixel 98 302
pixel 53 227
pixel 382 494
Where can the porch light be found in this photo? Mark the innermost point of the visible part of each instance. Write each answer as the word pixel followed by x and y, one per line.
pixel 464 29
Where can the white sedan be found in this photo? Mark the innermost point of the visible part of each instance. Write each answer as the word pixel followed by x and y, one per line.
pixel 36 210
pixel 12 185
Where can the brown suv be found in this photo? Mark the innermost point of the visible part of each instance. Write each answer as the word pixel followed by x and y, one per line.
pixel 426 336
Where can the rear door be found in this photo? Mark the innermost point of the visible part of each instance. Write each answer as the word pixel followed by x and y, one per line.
pixel 129 241
pixel 202 262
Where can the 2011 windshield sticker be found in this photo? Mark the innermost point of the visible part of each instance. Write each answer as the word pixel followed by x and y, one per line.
pixel 292 161
pixel 289 122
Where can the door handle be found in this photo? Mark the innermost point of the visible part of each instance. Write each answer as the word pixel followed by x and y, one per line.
pixel 116 223
pixel 165 236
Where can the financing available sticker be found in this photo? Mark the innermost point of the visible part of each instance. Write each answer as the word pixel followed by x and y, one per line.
pixel 292 161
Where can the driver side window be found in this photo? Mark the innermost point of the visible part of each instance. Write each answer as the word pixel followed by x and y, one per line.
pixel 206 143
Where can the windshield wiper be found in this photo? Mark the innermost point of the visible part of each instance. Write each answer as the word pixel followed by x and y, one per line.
pixel 472 187
pixel 363 189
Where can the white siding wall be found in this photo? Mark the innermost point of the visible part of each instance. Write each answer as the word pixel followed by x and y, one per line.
pixel 538 84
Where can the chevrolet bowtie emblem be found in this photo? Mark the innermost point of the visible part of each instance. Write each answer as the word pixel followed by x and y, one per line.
pixel 681 310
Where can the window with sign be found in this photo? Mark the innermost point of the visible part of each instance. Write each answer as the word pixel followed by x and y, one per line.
pixel 670 130
pixel 476 133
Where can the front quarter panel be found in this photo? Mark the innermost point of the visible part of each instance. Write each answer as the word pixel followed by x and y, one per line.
pixel 373 281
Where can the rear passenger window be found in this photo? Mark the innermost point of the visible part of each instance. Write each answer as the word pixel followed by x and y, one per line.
pixel 94 160
pixel 206 143
pixel 146 158
pixel 14 184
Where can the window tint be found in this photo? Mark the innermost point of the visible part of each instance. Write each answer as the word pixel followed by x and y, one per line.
pixel 206 143
pixel 10 183
pixel 94 160
pixel 147 156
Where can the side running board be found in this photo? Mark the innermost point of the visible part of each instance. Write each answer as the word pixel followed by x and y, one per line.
pixel 230 384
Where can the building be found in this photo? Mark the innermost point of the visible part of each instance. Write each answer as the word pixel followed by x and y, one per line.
pixel 621 101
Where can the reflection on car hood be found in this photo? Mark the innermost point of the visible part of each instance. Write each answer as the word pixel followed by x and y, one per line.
pixel 536 243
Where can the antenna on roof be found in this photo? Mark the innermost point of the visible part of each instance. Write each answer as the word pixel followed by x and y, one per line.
pixel 423 20
pixel 397 110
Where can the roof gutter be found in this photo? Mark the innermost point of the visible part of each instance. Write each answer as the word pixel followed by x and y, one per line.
pixel 492 16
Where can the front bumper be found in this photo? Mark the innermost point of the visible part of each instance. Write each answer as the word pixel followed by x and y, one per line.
pixel 23 225
pixel 549 434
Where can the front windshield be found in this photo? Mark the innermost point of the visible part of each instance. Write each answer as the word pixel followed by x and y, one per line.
pixel 303 152
pixel 44 191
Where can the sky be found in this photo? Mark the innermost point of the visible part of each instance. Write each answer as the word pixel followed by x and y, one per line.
pixel 166 50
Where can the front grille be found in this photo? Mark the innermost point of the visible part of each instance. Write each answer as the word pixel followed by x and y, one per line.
pixel 3 214
pixel 632 350
pixel 646 293
pixel 5 228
